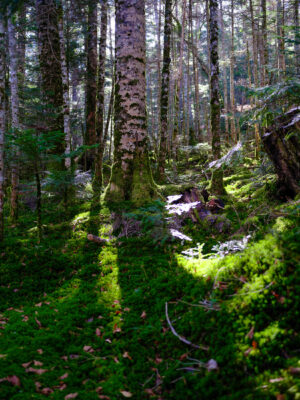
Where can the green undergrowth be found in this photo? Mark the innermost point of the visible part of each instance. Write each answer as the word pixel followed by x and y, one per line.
pixel 79 318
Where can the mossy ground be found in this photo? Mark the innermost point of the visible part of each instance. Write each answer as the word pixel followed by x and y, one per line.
pixel 94 317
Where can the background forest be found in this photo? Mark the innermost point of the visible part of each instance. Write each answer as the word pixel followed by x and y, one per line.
pixel 149 199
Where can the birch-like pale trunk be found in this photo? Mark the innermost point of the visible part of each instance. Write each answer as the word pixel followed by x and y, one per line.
pixel 98 180
pixel 14 96
pixel 131 177
pixel 65 86
pixel 164 96
pixel 2 122
pixel 217 186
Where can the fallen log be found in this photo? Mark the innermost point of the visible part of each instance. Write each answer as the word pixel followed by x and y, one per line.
pixel 97 239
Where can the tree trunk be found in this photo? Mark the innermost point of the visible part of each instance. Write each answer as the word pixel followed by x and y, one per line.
pixel 13 80
pixel 50 65
pixel 234 137
pixel 2 121
pixel 281 142
pixel 280 39
pixel 297 37
pixel 217 186
pixel 131 177
pixel 65 85
pixel 98 181
pixel 264 44
pixel 164 99
pixel 91 83
pixel 226 106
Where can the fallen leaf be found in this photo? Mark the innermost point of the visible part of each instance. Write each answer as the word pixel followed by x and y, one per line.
pixel 158 360
pixel 126 394
pixel 47 391
pixel 39 304
pixel 25 319
pixel 65 358
pixel 88 349
pixel 280 397
pixel 294 370
pixel 275 380
pixel 108 340
pixel 250 333
pixel 38 385
pixel 126 355
pixel 102 396
pixel 254 344
pixel 71 396
pixel 40 351
pixel 3 355
pixel 183 356
pixel 212 365
pixel 98 332
pixel 37 363
pixel 26 365
pixel 13 379
pixel 39 371
pixel 116 360
pixel 38 322
pixel 248 351
pixel 116 329
pixel 126 309
pixel 99 389
pixel 144 315
pixel 64 376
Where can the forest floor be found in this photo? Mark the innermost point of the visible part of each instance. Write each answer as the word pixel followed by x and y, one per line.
pixel 81 320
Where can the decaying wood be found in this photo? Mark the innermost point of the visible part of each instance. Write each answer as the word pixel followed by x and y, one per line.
pixel 97 239
pixel 281 142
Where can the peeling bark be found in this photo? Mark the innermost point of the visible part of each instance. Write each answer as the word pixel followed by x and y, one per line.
pixel 131 177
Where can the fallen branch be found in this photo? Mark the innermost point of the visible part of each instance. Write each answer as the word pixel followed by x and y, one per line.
pixel 97 239
pixel 182 339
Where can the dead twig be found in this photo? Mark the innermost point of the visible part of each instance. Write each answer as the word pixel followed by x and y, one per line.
pixel 181 338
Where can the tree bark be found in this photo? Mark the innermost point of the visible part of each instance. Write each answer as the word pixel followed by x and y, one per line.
pixel 2 121
pixel 65 85
pixel 164 99
pixel 297 37
pixel 281 142
pixel 14 89
pixel 91 83
pixel 217 185
pixel 98 180
pixel 131 177
pixel 51 73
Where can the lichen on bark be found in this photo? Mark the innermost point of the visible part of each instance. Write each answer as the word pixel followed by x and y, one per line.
pixel 131 177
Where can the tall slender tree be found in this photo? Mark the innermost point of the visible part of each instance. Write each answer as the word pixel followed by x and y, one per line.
pixel 217 185
pixel 91 82
pixel 50 66
pixel 131 177
pixel 2 120
pixel 97 183
pixel 15 126
pixel 164 99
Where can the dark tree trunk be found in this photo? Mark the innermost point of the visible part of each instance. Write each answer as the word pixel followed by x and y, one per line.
pixel 97 184
pixel 50 64
pixel 217 186
pixel 164 99
pixel 91 82
pixel 281 142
